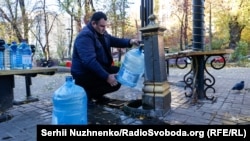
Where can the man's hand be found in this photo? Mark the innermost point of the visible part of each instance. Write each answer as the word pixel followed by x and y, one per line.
pixel 112 80
pixel 134 42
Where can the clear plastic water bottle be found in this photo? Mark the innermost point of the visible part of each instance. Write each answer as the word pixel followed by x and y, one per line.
pixel 2 47
pixel 26 55
pixel 7 57
pixel 69 104
pixel 19 62
pixel 13 47
pixel 132 67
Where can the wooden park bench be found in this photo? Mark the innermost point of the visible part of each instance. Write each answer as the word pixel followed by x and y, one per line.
pixel 195 79
pixel 7 84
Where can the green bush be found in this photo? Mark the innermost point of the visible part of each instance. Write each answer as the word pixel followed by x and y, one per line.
pixel 240 52
pixel 62 64
pixel 217 44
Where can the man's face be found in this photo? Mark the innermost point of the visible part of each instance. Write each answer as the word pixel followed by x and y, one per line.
pixel 100 26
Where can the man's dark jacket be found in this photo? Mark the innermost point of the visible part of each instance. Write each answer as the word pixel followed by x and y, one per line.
pixel 89 55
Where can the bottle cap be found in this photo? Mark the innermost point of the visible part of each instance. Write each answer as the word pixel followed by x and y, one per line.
pixel 69 78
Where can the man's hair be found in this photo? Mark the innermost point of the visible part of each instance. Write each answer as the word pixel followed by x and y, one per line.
pixel 97 16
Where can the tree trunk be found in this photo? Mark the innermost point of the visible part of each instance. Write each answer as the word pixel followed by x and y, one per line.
pixel 181 36
pixel 235 30
pixel 24 19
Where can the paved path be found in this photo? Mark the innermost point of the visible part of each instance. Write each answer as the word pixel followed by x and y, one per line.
pixel 231 108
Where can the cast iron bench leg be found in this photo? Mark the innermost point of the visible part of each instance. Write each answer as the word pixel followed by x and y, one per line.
pixel 29 98
pixel 6 96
